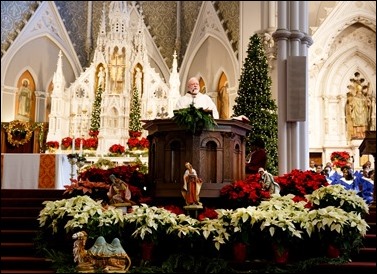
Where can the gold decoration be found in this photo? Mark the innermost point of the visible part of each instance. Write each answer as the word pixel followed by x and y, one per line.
pixel 19 133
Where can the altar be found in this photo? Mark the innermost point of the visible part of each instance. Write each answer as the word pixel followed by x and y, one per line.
pixel 34 171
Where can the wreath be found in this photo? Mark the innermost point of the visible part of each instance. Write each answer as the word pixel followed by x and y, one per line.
pixel 19 133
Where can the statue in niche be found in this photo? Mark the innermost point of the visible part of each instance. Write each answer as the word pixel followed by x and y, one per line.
pixel 138 81
pixel 24 99
pixel 223 101
pixel 358 108
pixel 117 71
pixel 101 78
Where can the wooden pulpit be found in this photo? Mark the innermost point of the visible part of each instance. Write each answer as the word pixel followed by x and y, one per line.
pixel 217 155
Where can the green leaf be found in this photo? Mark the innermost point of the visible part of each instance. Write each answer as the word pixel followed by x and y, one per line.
pixel 194 119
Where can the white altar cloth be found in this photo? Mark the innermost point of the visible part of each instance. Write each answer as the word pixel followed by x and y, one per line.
pixel 33 171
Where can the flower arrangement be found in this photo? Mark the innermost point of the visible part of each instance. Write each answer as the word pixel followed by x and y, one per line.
pixel 280 217
pixel 136 143
pixel 66 142
pixel 130 174
pixel 143 143
pixel 117 149
pixel 279 220
pixel 93 133
pixel 90 143
pixel 80 212
pixel 95 190
pixel 78 142
pixel 300 183
pixel 339 158
pixel 240 223
pixel 149 221
pixel 52 144
pixel 337 195
pixel 243 193
pixel 335 226
pixel 134 134
pixel 185 227
pixel 216 227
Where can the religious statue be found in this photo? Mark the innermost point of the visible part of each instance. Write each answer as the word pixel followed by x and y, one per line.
pixel 117 70
pixel 24 99
pixel 223 101
pixel 191 186
pixel 138 81
pixel 119 191
pixel 358 108
pixel 101 78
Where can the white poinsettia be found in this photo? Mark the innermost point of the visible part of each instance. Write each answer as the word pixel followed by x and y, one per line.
pixel 334 219
pixel 337 195
pixel 185 227
pixel 77 212
pixel 150 220
pixel 280 215
pixel 216 229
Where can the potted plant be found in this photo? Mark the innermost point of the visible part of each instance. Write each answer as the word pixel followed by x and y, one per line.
pixel 52 146
pixel 66 143
pixel 337 195
pixel 96 190
pixel 300 183
pixel 279 219
pixel 336 228
pixel 116 150
pixel 244 193
pixel 339 159
pixel 149 224
pixel 79 212
pixel 214 225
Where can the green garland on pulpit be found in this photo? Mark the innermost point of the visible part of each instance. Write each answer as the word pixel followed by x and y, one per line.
pixel 194 119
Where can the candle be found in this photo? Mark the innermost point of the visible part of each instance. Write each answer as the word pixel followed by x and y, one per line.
pixel 73 144
pixel 81 143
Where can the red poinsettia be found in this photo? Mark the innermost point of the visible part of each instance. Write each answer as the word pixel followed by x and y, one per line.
pixel 93 133
pixel 209 213
pixel 91 143
pixel 137 143
pixel 174 209
pixel 133 143
pixel 339 158
pixel 52 144
pixel 66 142
pixel 243 193
pixel 128 173
pixel 117 149
pixel 85 187
pixel 78 142
pixel 134 134
pixel 144 143
pixel 300 183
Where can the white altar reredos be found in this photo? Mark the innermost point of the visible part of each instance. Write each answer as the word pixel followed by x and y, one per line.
pixel 120 63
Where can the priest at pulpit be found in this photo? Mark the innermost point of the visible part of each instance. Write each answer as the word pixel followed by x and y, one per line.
pixel 198 99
